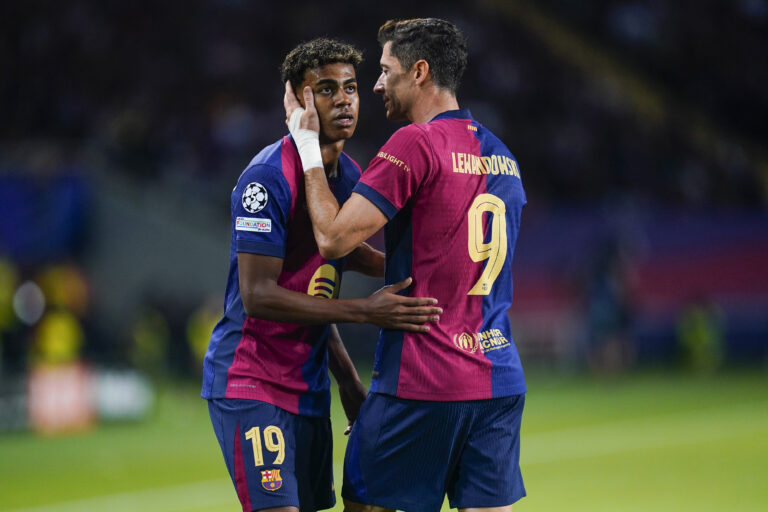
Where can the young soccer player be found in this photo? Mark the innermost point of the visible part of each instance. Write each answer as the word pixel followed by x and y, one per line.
pixel 266 368
pixel 444 411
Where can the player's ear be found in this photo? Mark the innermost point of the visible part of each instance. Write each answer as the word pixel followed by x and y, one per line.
pixel 420 71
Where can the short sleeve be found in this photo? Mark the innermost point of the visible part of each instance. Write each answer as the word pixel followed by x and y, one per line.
pixel 398 170
pixel 261 203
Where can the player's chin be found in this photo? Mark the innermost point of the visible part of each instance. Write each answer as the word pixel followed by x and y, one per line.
pixel 395 115
pixel 341 133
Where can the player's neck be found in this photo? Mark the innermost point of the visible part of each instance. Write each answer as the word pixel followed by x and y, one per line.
pixel 431 104
pixel 331 153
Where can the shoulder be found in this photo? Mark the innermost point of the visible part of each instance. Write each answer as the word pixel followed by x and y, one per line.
pixel 264 178
pixel 491 143
pixel 267 164
pixel 411 131
pixel 408 141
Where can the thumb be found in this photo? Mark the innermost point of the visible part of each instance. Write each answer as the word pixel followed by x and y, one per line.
pixel 402 285
pixel 309 99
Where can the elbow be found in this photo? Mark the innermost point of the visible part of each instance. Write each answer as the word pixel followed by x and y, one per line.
pixel 255 302
pixel 332 249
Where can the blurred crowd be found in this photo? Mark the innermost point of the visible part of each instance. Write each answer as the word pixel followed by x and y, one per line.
pixel 187 91
pixel 192 88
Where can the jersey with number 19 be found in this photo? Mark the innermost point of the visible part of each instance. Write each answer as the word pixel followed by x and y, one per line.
pixel 280 363
pixel 453 196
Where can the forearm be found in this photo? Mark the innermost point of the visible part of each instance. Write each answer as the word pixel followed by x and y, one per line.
pixel 278 304
pixel 324 211
pixel 339 362
pixel 366 260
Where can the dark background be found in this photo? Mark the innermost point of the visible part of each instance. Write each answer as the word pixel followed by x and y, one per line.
pixel 639 127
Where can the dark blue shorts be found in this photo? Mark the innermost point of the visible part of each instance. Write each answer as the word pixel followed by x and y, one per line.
pixel 275 458
pixel 407 454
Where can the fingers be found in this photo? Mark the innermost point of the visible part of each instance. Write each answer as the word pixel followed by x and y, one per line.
pixel 401 285
pixel 411 323
pixel 408 327
pixel 413 302
pixel 309 99
pixel 348 429
pixel 290 101
pixel 407 311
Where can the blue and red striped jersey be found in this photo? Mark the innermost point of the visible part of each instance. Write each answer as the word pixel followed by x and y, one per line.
pixel 279 363
pixel 453 195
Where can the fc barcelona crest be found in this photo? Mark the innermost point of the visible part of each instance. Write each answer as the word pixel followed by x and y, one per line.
pixel 271 480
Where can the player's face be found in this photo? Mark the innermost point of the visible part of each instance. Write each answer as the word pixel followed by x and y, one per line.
pixel 393 85
pixel 336 100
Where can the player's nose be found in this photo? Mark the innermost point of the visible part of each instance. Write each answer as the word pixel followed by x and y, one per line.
pixel 378 87
pixel 342 98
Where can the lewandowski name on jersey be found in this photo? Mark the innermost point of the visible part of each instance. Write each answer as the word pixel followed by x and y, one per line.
pixel 453 194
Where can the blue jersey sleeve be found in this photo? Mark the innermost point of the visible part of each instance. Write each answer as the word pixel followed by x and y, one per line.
pixel 261 203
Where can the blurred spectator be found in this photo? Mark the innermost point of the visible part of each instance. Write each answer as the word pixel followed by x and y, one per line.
pixel 176 96
pixel 199 327
pixel 609 310
pixel 701 335
pixel 152 89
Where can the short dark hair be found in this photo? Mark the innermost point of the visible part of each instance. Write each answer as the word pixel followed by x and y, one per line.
pixel 437 41
pixel 314 54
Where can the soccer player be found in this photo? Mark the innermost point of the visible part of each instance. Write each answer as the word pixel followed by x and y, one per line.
pixel 444 409
pixel 265 372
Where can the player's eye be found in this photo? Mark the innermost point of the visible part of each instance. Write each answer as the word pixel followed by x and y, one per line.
pixel 351 88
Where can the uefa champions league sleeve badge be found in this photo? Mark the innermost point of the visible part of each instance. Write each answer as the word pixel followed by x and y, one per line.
pixel 255 197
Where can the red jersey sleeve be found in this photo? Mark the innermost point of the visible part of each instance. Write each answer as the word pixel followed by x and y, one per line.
pixel 398 170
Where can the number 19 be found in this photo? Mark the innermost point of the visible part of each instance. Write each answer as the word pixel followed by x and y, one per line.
pixel 273 441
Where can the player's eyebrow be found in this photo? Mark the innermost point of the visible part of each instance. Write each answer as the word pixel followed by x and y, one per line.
pixel 331 81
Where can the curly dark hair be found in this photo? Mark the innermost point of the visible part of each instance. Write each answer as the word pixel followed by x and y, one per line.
pixel 314 54
pixel 437 41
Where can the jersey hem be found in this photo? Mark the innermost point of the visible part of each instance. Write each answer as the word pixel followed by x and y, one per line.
pixel 260 397
pixel 457 397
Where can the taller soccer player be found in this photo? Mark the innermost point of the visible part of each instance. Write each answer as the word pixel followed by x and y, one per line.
pixel 265 373
pixel 444 411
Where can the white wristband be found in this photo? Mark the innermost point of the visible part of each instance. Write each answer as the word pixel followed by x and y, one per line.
pixel 307 142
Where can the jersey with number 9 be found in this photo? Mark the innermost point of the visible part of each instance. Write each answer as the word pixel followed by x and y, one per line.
pixel 453 195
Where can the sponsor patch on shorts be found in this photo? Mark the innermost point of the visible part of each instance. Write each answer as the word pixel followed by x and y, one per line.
pixel 253 224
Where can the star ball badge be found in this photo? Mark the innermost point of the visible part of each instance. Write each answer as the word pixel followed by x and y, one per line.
pixel 271 480
pixel 255 197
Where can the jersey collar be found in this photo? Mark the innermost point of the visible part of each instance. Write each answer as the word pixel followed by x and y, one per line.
pixel 462 113
pixel 340 165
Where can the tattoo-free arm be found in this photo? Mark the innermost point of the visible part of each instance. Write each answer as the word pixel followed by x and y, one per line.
pixel 337 230
pixel 264 298
pixel 366 260
pixel 351 390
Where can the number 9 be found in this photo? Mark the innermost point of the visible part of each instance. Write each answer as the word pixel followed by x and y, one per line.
pixel 495 251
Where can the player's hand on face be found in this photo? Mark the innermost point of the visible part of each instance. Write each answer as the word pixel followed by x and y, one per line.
pixel 352 394
pixel 306 118
pixel 393 311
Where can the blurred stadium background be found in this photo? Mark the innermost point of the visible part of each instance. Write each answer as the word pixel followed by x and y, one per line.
pixel 641 274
